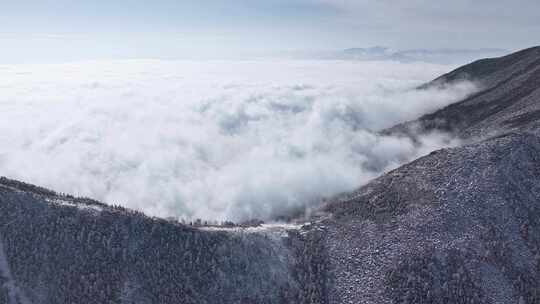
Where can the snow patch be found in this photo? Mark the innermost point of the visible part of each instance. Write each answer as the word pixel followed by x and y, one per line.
pixel 61 202
pixel 269 228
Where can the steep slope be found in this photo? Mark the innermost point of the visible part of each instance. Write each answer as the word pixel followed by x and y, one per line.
pixel 457 226
pixel 493 71
pixel 509 98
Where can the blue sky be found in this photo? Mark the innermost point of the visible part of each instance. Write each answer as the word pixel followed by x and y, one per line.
pixel 62 30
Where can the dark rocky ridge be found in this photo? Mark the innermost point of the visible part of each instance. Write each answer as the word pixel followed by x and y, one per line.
pixel 459 225
pixel 507 99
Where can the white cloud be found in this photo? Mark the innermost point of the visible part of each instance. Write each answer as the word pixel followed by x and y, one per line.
pixel 216 140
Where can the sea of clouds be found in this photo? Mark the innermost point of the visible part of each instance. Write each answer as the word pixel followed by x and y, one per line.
pixel 213 139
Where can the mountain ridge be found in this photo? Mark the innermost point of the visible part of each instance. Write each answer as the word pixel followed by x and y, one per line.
pixel 508 88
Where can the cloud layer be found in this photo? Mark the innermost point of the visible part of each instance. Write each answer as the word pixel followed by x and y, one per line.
pixel 214 140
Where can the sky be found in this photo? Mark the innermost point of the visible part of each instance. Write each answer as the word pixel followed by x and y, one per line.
pixel 67 30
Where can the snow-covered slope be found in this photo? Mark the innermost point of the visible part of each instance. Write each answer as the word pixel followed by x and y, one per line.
pixel 61 249
pixel 457 226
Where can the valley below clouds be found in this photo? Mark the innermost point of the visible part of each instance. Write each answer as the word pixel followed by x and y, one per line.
pixel 214 140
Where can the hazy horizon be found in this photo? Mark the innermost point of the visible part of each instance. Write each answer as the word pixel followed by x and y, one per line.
pixel 66 31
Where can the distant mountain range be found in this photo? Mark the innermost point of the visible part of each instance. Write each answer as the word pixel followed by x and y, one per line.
pixel 460 225
pixel 448 56
pixel 425 55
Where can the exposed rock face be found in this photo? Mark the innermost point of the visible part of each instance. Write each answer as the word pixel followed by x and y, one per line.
pixel 459 225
